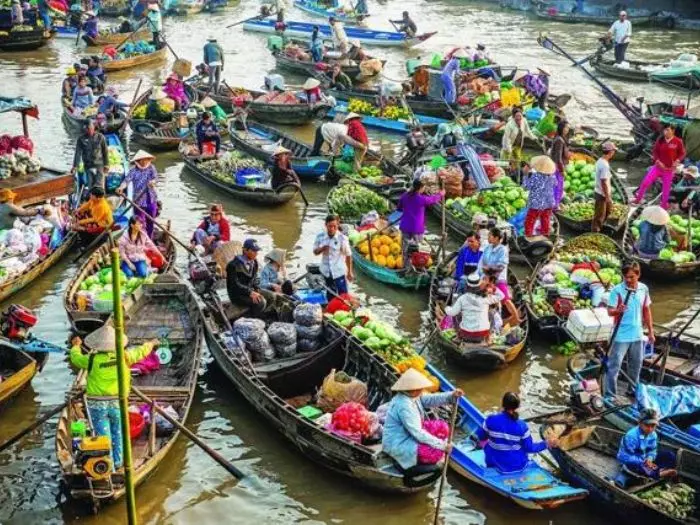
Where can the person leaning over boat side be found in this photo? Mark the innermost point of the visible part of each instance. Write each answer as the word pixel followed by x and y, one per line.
pixel 561 155
pixel 143 176
pixel 91 150
pixel 621 32
pixel 494 261
pixel 467 259
pixel 639 449
pixel 133 247
pixel 68 85
pixel 541 200
pixel 603 188
pixel 82 96
pixel 213 231
pixel 9 211
pixel 413 204
pixel 335 134
pixel 653 232
pixel 515 132
pixel 243 283
pixel 473 307
pixel 282 171
pixel 668 153
pixel 207 132
pixel 336 257
pixel 403 428
pixel 506 439
pixel 16 13
pixel 102 386
pixel 214 59
pixel 420 80
pixel 685 196
pixel 316 46
pixel 340 38
pixel 406 25
pixel 358 133
pixel 338 79
pixel 448 74
pixel 630 334
pixel 356 53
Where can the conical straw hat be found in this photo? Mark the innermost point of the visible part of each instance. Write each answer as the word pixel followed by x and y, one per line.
pixel 411 379
pixel 655 215
pixel 103 340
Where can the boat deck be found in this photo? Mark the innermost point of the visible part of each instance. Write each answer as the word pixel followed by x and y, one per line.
pixel 32 189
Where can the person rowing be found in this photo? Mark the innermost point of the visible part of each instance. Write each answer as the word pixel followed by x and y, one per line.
pixel 406 25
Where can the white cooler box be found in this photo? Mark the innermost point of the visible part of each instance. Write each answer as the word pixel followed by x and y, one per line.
pixel 590 326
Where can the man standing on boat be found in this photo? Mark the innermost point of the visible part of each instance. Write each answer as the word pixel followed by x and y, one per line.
pixel 336 257
pixel 91 150
pixel 155 23
pixel 406 25
pixel 603 189
pixel 620 32
pixel 214 59
pixel 340 38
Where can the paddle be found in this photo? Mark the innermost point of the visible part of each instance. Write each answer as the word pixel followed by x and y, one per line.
pixel 257 17
pixel 80 27
pixel 618 321
pixel 133 100
pixel 453 421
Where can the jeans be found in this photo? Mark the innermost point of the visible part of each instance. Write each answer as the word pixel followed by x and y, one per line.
pixel 339 285
pixel 620 50
pixel 104 414
pixel 545 218
pixel 318 142
pixel 635 351
pixel 140 271
pixel 94 177
pixel 214 77
pixel 316 53
pixel 46 19
pixel 666 181
pixel 199 238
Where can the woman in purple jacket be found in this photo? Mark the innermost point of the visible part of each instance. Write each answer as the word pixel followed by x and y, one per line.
pixel 413 204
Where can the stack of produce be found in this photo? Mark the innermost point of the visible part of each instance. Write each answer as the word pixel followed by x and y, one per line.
pixel 225 167
pixel 352 201
pixel 369 173
pixel 383 340
pixel 19 163
pixel 390 112
pixel 115 158
pixel 96 290
pixel 284 338
pixel 583 211
pixel 382 249
pixel 676 499
pixel 566 349
pixel 503 201
pixel 251 332
pixel 679 227
pixel 352 418
pixel 128 50
pixel 308 319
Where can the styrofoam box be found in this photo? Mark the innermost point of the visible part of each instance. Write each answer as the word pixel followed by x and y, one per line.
pixel 590 326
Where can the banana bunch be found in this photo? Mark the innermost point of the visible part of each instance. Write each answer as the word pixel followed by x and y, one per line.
pixel 395 113
pixel 360 106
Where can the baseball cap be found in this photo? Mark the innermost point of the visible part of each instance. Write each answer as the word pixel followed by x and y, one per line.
pixel 251 244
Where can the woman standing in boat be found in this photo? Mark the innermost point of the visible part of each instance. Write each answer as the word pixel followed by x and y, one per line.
pixel 316 45
pixel 541 199
pixel 403 428
pixel 143 176
pixel 494 261
pixel 413 204
pixel 560 155
pixel 667 155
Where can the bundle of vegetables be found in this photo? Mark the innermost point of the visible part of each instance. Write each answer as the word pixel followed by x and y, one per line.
pixel 566 349
pixel 352 201
pixel 19 163
pixel 382 249
pixel 95 286
pixel 583 211
pixel 383 340
pixel 369 173
pixel 352 417
pixel 22 28
pixel 676 499
pixel 503 201
pixel 679 227
pixel 224 167
pixel 391 112
pixel 139 112
pixel 115 158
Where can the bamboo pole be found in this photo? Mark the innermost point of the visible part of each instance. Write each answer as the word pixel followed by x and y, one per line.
pixel 122 376
pixel 453 421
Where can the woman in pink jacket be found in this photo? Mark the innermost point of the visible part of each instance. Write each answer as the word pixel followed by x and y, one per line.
pixel 133 246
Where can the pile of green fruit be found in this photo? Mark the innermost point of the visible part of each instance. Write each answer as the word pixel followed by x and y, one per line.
pixel 504 200
pixel 583 211
pixel 676 499
pixel 352 201
pixel 370 172
pixel 228 164
pixel 566 349
pixel 679 225
pixel 538 303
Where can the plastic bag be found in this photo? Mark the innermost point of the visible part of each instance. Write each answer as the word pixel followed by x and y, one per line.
pixel 428 455
pixel 163 426
pixel 249 329
pixel 286 350
pixel 308 314
pixel 338 389
pixel 261 349
pixel 282 334
pixel 309 332
pixel 308 345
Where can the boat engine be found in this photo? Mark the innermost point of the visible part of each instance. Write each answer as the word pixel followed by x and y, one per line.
pixel 93 456
pixel 16 322
pixel 586 397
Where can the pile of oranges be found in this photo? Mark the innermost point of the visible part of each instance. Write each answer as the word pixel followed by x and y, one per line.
pixel 383 250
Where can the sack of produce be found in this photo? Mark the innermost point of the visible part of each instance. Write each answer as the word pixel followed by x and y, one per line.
pixel 261 349
pixel 351 420
pixel 453 178
pixel 286 350
pixel 309 332
pixel 428 455
pixel 282 334
pixel 308 345
pixel 252 333
pixel 308 314
pixel 370 67
pixel 339 388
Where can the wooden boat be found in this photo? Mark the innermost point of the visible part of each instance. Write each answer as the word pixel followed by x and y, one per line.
pixel 135 61
pixel 659 268
pixel 112 36
pixel 322 11
pixel 638 71
pixel 309 67
pixel 403 278
pixel 269 387
pixel 186 7
pixel 591 463
pixel 550 323
pixel 17 369
pixel 683 357
pixel 554 15
pixel 64 31
pixel 259 141
pixel 77 122
pixel 163 138
pixel 256 195
pixel 144 126
pixel 419 105
pixel 534 488
pixel 167 310
pixel 365 36
pixel 87 321
pixel 395 183
pixel 480 356
pixel 390 125
pixel 17 40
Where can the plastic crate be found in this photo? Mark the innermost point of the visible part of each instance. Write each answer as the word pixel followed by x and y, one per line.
pixel 307 295
pixel 590 326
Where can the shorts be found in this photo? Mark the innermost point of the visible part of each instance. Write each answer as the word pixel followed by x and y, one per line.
pixel 503 287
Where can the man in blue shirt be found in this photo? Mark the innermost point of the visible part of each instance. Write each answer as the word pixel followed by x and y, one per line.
pixel 214 59
pixel 467 259
pixel 630 334
pixel 639 447
pixel 508 439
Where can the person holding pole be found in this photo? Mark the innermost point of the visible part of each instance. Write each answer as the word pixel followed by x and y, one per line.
pixel 155 23
pixel 620 32
pixel 102 386
pixel 630 305
pixel 214 59
pixel 143 176
pixel 413 204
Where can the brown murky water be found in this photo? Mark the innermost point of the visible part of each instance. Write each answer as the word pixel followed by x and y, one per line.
pixel 283 487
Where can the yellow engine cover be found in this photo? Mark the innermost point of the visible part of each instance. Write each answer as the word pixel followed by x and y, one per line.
pixel 95 444
pixel 98 467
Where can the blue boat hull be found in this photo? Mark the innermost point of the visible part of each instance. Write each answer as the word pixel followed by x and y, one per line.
pixel 532 488
pixel 385 124
pixel 314 9
pixel 64 32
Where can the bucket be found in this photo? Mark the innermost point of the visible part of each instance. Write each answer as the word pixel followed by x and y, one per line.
pixel 136 425
pixel 679 110
pixel 209 148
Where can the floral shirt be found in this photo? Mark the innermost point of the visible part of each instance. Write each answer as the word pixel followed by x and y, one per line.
pixel 541 188
pixel 140 179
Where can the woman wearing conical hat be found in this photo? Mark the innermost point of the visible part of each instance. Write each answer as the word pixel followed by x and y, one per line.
pixel 143 176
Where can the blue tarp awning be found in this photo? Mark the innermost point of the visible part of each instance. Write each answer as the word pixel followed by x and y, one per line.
pixel 16 104
pixel 669 401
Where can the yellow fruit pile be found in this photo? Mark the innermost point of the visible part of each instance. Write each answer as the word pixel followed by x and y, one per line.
pixel 383 250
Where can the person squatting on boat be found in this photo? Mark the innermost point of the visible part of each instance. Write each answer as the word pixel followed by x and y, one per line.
pixel 638 452
pixel 243 281
pixel 212 232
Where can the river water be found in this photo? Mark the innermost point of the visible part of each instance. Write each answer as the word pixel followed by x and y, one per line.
pixel 282 487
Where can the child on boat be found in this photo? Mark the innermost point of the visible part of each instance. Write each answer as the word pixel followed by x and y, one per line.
pixel 473 306
pixel 638 452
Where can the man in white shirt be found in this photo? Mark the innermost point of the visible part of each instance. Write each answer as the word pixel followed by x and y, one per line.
pixel 336 135
pixel 336 256
pixel 620 32
pixel 603 190
pixel 340 38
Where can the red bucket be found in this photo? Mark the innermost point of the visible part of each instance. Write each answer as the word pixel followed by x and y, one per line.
pixel 136 425
pixel 209 148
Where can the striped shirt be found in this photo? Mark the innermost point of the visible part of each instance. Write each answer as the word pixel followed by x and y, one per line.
pixel 508 442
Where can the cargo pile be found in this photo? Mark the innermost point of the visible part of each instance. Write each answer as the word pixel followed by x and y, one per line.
pixel 352 201
pixel 677 499
pixel 229 167
pixel 18 163
pixel 383 249
pixel 96 294
pixel 128 50
pixel 368 173
pixel 503 201
pixel 390 112
pixel 679 227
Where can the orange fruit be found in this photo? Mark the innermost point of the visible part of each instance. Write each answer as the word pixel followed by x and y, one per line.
pixel 390 261
pixel 380 260
pixel 395 248
pixel 399 262
pixel 376 242
pixel 384 250
pixel 385 239
pixel 363 247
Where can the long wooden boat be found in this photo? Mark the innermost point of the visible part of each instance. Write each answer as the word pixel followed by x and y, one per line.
pixel 135 61
pixel 167 310
pixel 319 10
pixel 554 15
pixel 419 105
pixel 658 268
pixel 17 369
pixel 365 36
pixel 682 360
pixel 396 181
pixel 591 463
pixel 22 40
pixel 186 7
pixel 143 126
pixel 77 122
pixel 112 36
pixel 310 68
pixel 259 141
pixel 164 138
pixel 534 487
pixel 256 195
pixel 391 125
pixel 401 278
pixel 85 321
pixel 479 356
pixel 638 71
pixel 269 387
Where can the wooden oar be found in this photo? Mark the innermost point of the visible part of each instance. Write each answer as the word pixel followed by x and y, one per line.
pixel 453 421
pixel 35 424
pixel 257 17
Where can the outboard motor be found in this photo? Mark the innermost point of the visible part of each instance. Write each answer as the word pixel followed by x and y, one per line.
pixel 16 322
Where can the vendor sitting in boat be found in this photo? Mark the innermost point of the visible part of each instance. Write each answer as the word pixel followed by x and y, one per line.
pixel 109 105
pixel 174 88
pixel 82 96
pixel 338 79
pixel 311 92
pixel 282 171
pixel 467 260
pixel 134 247
pixel 506 438
pixel 69 84
pixel 243 283
pixel 638 452
pixel 494 261
pixel 274 274
pixel 9 211
pixel 102 387
pixel 207 132
pixel 420 80
pixel 653 232
pixel 94 216
pixel 213 231
pixel 686 196
pixel 95 74
pixel 473 307
pixel 403 428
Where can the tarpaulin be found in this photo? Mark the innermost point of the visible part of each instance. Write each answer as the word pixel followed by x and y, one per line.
pixel 18 104
pixel 669 401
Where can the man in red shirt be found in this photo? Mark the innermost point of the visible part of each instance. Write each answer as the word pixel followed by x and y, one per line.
pixel 667 155
pixel 357 131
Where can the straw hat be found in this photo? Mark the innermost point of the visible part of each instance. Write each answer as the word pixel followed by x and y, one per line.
pixel 351 116
pixel 153 7
pixel 311 83
pixel 543 164
pixel 71 71
pixel 692 171
pixel 142 155
pixel 460 53
pixel 277 255
pixel 102 340
pixel 7 195
pixel 279 150
pixel 411 379
pixel 158 94
pixel 208 102
pixel 655 215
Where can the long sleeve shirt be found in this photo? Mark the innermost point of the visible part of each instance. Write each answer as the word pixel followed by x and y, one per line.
pixel 474 310
pixel 213 54
pixel 637 447
pixel 140 180
pixel 90 27
pixel 269 276
pixel 102 372
pixel 560 153
pixel 413 206
pixel 511 133
pixel 221 229
pixel 403 428
pixel 508 442
pixel 495 255
pixel 110 104
pixel 668 151
pixel 92 151
pixel 241 278
pixel 466 258
pixel 283 175
pixel 541 191
pixel 134 250
pixel 99 212
pixel 155 21
pixel 206 131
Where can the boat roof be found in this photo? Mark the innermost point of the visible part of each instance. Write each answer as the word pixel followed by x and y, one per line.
pixel 19 104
